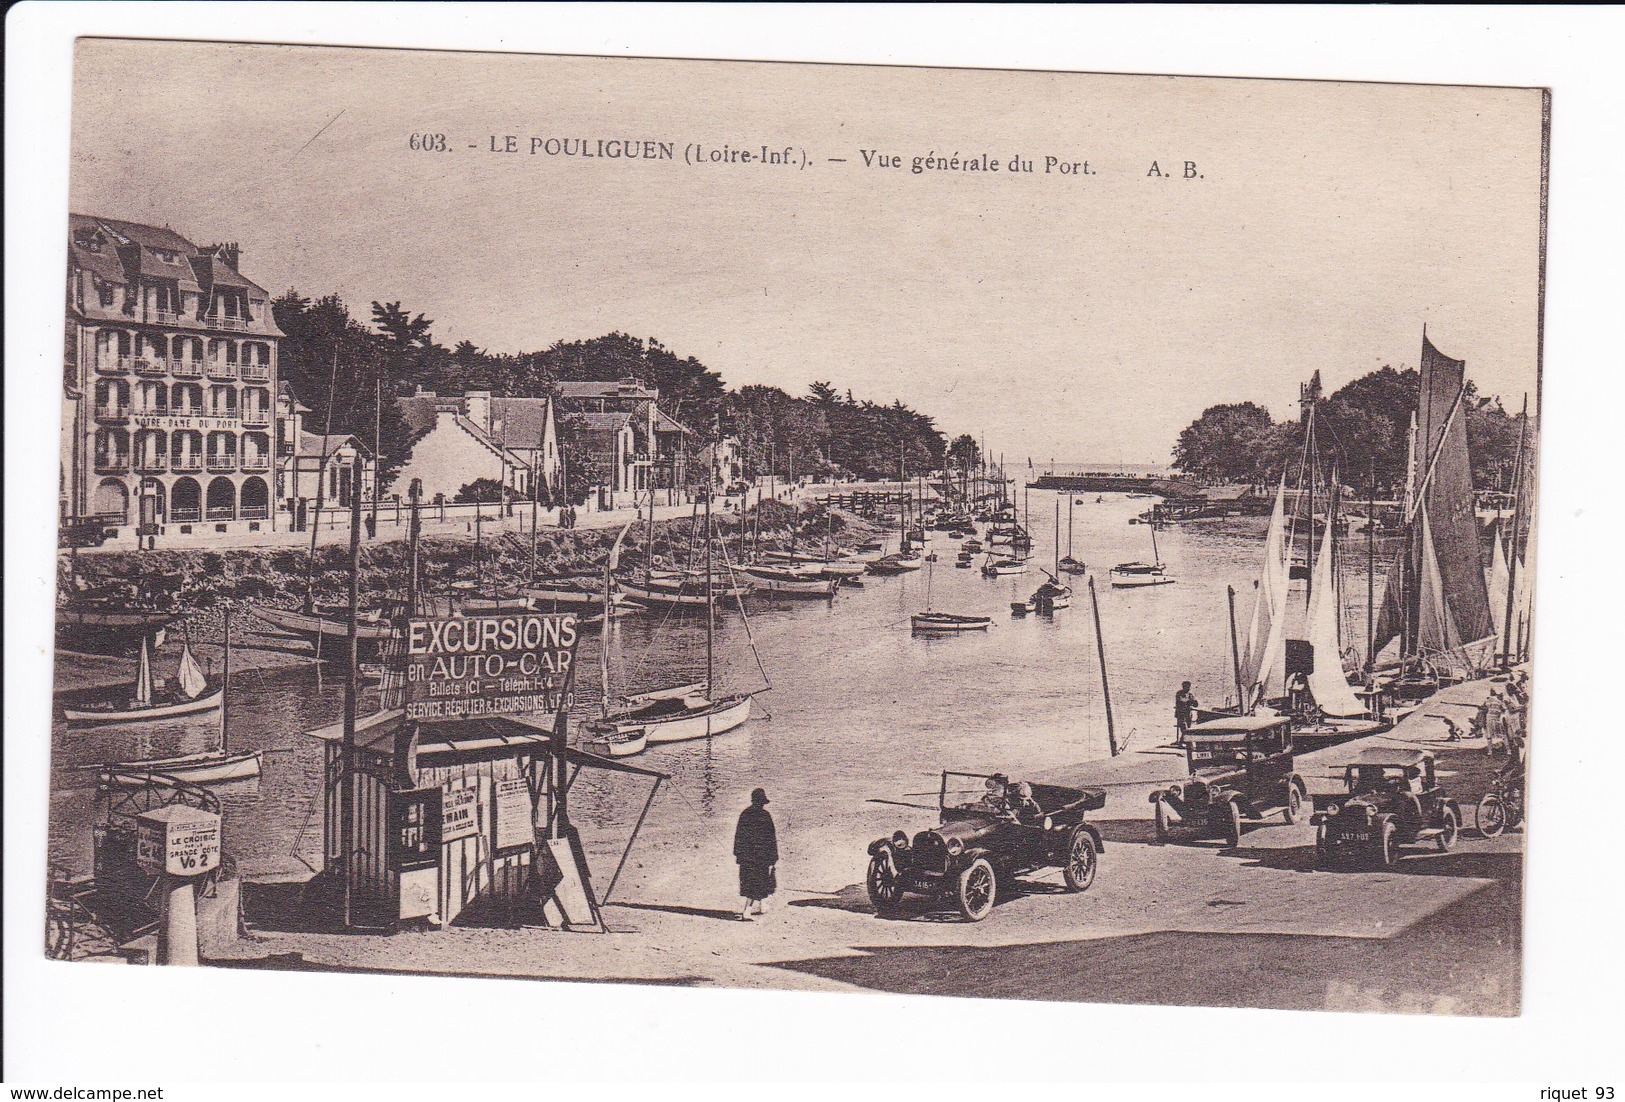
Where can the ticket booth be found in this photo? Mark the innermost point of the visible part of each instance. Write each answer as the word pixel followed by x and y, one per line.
pixel 451 818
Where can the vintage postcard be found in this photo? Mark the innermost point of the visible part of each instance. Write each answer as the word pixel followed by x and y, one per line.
pixel 1027 535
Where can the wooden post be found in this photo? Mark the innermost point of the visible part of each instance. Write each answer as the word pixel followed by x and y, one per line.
pixel 1105 686
pixel 1507 654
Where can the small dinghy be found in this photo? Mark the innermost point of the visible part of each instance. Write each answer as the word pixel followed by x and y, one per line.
pixel 214 767
pixel 998 568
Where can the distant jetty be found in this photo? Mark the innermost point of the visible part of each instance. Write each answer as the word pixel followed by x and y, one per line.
pixel 1103 482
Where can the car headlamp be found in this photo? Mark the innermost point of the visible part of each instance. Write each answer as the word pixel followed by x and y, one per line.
pixel 955 847
pixel 900 840
pixel 1049 823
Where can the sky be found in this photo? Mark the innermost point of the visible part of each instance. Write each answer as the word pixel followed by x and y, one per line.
pixel 1085 317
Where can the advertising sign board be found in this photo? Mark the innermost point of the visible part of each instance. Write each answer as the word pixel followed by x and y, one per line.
pixel 178 840
pixel 504 663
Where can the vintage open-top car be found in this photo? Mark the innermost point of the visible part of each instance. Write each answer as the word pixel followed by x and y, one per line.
pixel 1240 769
pixel 986 837
pixel 1392 799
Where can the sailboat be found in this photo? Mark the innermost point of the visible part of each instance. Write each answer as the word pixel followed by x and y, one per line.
pixel 209 767
pixel 931 622
pixel 1134 575
pixel 1436 604
pixel 681 712
pixel 191 695
pixel 1052 593
pixel 1069 564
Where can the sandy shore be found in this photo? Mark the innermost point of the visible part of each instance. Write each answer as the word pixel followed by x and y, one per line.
pixel 1182 923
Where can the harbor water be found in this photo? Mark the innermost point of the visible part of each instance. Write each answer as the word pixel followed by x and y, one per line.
pixel 860 708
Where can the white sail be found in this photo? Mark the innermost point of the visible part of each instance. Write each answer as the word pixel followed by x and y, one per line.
pixel 1274 582
pixel 143 679
pixel 1498 583
pixel 191 676
pixel 1327 683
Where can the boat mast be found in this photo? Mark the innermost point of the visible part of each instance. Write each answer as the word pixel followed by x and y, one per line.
pixel 414 530
pixel 1058 537
pixel 1507 652
pixel 1371 568
pixel 321 488
pixel 1235 650
pixel 710 608
pixel 1156 556
pixel 1070 502
pixel 225 682
pixel 1105 687
pixel 347 748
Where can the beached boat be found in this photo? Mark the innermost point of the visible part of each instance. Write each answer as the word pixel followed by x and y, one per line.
pixel 370 630
pixel 190 697
pixel 676 591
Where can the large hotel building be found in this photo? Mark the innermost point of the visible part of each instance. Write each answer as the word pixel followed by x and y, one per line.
pixel 170 380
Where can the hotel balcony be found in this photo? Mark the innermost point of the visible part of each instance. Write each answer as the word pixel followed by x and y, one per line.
pixel 225 413
pixel 161 316
pixel 186 463
pixel 181 515
pixel 149 365
pixel 256 417
pixel 114 365
pixel 222 462
pixel 222 321
pixel 186 369
pixel 256 373
pixel 256 462
pixel 254 512
pixel 149 464
pixel 113 463
pixel 112 413
pixel 221 370
pixel 220 512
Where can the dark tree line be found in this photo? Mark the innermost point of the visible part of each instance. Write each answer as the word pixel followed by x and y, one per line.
pixel 1365 423
pixel 334 362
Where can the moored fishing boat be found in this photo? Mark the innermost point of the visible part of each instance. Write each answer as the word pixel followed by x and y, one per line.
pixel 895 564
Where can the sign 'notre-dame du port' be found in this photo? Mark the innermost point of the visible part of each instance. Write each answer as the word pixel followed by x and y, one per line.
pixel 488 665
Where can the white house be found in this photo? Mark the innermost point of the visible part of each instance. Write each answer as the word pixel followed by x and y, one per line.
pixel 461 438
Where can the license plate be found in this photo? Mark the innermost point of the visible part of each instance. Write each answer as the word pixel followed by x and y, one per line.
pixel 1361 836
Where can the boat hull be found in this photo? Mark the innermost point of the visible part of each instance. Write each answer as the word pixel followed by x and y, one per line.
pixel 714 718
pixel 197 769
pixel 1139 581
pixel 208 702
pixel 313 627
pixel 927 623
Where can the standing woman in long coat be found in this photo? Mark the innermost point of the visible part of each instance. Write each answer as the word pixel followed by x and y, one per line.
pixel 756 848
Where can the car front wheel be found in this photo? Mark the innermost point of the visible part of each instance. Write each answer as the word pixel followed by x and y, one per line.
pixel 885 891
pixel 1232 827
pixel 977 888
pixel 1448 828
pixel 1387 851
pixel 1294 805
pixel 1081 860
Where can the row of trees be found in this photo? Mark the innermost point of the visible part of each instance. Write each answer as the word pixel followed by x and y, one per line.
pixel 337 366
pixel 1365 422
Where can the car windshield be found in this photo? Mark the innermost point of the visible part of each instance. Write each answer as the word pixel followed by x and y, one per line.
pixel 1372 778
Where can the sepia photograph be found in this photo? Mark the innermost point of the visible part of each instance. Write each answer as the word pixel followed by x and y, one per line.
pixel 859 529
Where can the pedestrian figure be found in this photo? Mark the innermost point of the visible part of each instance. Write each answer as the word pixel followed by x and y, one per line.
pixel 756 849
pixel 1185 706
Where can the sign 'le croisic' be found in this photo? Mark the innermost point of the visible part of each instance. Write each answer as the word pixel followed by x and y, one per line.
pixel 499 664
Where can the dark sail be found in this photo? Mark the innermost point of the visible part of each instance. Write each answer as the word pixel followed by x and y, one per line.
pixel 1445 471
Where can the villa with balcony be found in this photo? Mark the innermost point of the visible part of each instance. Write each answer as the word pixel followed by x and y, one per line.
pixel 169 368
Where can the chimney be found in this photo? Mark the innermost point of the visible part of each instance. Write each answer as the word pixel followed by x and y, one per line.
pixel 478 404
pixel 227 251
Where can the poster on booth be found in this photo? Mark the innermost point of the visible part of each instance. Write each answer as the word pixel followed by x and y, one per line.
pixel 460 808
pixel 515 814
pixel 466 667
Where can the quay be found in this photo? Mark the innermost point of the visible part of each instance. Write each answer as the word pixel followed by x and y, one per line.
pixel 1101 482
pixel 1172 924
